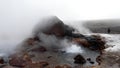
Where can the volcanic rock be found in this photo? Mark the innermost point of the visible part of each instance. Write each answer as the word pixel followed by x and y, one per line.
pixel 96 42
pixel 36 38
pixel 79 59
pixel 92 42
pixel 19 61
pixel 82 42
pixel 39 49
pixel 88 59
pixel 57 29
pixel 91 62
pixel 30 41
pixel 98 59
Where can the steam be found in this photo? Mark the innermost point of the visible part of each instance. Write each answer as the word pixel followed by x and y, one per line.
pixel 79 26
pixel 45 23
pixel 11 39
pixel 53 43
pixel 74 48
pixel 65 48
pixel 113 42
pixel 61 45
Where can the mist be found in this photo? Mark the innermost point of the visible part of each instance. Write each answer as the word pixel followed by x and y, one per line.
pixel 19 17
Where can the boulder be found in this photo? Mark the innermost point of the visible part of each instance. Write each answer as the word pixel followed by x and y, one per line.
pixel 79 59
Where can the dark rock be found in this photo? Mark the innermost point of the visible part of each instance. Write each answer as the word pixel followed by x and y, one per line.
pixel 49 57
pixel 91 62
pixel 88 59
pixel 36 38
pixel 96 42
pixel 44 64
pixel 56 29
pixel 69 31
pixel 79 59
pixel 98 59
pixel 39 49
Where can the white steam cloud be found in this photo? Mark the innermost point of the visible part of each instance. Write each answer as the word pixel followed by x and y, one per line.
pixel 18 17
pixel 74 49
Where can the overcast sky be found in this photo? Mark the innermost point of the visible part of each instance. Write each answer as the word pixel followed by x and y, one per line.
pixel 19 16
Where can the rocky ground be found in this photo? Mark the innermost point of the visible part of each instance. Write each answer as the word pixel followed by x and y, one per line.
pixel 57 45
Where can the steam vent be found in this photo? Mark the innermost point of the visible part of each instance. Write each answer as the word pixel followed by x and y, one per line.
pixel 57 45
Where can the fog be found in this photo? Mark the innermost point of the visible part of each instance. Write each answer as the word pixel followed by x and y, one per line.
pixel 18 17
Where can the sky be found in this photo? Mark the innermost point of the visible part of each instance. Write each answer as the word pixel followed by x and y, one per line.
pixel 18 17
pixel 21 13
pixel 17 14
